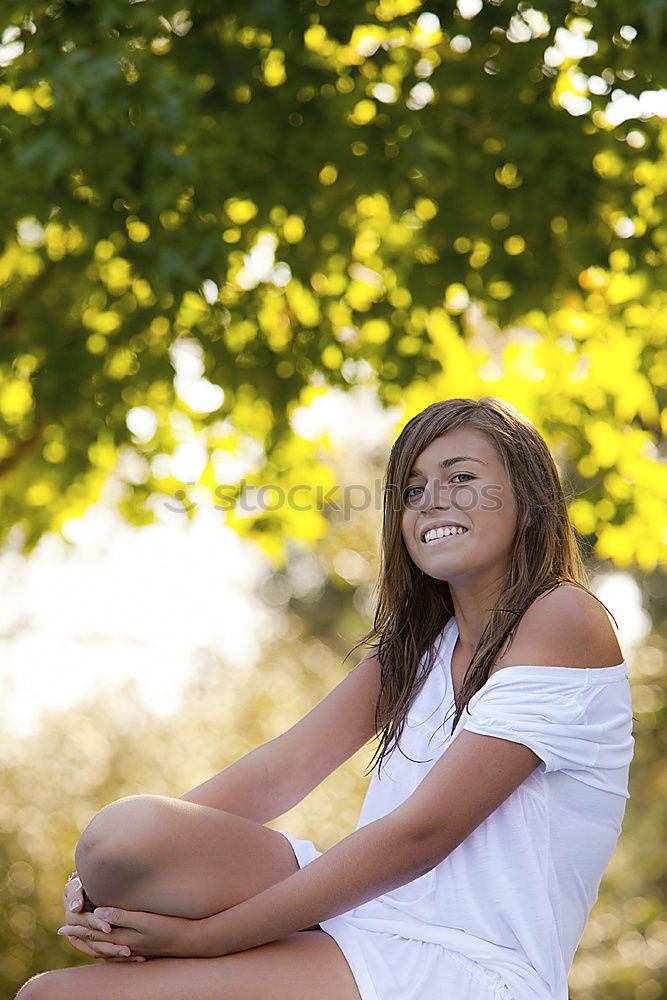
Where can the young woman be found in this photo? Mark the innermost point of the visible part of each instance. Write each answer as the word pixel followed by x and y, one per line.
pixel 501 703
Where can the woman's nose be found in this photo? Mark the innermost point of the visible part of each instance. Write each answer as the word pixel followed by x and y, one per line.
pixel 434 495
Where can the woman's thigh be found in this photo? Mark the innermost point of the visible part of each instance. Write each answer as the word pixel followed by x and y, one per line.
pixel 175 857
pixel 303 966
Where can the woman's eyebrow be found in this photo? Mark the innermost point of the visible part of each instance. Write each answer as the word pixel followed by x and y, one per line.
pixel 446 463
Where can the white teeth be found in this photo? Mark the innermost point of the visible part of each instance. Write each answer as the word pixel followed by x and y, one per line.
pixel 434 533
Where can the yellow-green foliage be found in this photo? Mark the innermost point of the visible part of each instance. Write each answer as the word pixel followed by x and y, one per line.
pixel 329 196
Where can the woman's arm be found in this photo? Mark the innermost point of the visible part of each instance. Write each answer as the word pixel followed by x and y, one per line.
pixel 273 778
pixel 471 779
pixel 268 781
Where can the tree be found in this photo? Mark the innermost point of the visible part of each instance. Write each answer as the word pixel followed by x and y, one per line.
pixel 288 196
pixel 435 201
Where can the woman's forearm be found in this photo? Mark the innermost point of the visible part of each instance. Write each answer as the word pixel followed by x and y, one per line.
pixel 374 859
pixel 243 788
pixel 259 786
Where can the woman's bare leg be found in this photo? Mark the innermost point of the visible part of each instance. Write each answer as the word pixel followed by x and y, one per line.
pixel 164 855
pixel 175 857
pixel 304 966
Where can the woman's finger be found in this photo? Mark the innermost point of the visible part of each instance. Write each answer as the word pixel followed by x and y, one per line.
pixel 87 949
pixel 88 920
pixel 89 934
pixel 75 901
pixel 81 945
pixel 117 917
pixel 99 949
pixel 73 895
pixel 84 947
pixel 119 938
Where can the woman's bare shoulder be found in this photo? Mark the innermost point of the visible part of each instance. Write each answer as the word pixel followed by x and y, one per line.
pixel 566 627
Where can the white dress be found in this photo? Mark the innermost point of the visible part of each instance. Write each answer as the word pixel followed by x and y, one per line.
pixel 499 918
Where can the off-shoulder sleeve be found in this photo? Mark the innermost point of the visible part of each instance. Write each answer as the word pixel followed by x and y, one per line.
pixel 574 721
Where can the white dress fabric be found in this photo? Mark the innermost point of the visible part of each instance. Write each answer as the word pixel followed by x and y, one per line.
pixel 500 918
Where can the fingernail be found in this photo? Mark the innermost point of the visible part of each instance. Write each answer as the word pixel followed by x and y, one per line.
pixel 102 913
pixel 75 904
pixel 104 926
pixel 60 931
pixel 125 952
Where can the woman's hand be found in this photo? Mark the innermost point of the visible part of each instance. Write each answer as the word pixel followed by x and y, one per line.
pixel 73 899
pixel 133 934
pixel 81 922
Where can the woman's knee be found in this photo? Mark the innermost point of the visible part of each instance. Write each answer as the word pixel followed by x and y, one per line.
pixel 47 986
pixel 120 843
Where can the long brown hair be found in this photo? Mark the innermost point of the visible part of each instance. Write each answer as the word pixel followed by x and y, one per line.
pixel 413 608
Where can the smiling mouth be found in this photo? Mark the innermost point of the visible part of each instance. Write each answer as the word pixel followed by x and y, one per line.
pixel 435 534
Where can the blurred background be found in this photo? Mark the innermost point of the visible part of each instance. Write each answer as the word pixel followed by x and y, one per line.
pixel 241 247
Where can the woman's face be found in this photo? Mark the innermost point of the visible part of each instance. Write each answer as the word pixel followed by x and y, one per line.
pixel 459 480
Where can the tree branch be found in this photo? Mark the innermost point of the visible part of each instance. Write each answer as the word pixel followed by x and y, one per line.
pixel 23 448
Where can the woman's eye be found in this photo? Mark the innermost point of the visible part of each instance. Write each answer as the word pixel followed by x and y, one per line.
pixel 410 493
pixel 466 474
